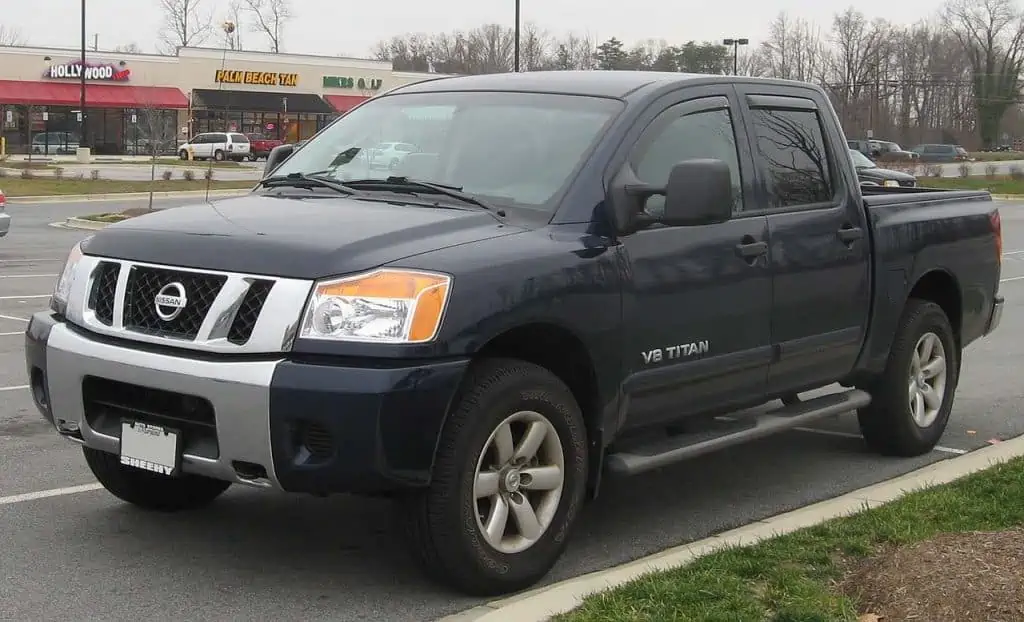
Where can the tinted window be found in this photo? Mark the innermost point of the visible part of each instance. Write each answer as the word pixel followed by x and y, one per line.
pixel 793 155
pixel 934 149
pixel 217 138
pixel 707 134
pixel 239 138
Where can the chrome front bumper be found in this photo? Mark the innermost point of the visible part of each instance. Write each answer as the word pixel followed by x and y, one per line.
pixel 239 392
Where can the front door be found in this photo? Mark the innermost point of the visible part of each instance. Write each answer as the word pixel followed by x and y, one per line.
pixel 697 307
pixel 818 238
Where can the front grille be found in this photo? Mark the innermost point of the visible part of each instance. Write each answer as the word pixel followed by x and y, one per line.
pixel 249 311
pixel 108 402
pixel 104 291
pixel 144 283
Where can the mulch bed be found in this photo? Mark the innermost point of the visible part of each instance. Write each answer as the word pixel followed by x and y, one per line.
pixel 957 577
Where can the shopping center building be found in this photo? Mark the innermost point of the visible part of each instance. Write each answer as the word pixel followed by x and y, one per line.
pixel 136 100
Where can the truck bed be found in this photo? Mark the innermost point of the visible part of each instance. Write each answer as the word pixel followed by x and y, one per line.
pixel 915 231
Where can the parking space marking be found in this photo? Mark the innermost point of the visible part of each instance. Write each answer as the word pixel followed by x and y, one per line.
pixel 53 492
pixel 25 297
pixel 11 317
pixel 938 448
pixel 1012 278
pixel 17 332
pixel 14 388
pixel 29 260
pixel 27 276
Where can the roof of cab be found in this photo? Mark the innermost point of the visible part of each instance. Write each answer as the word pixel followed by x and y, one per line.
pixel 579 82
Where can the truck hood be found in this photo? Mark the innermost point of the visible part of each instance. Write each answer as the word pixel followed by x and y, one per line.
pixel 292 237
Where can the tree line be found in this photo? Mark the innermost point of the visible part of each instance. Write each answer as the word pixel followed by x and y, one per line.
pixel 951 78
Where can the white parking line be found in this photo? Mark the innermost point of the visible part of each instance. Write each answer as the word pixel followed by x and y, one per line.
pixel 53 492
pixel 1012 278
pixel 13 318
pixel 27 276
pixel 24 297
pixel 29 260
pixel 17 332
pixel 14 388
pixel 939 448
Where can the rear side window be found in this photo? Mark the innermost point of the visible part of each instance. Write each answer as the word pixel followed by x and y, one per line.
pixel 217 138
pixel 239 138
pixel 793 156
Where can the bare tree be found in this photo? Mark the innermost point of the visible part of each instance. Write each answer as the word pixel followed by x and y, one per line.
pixel 991 34
pixel 186 23
pixel 128 48
pixel 269 19
pixel 11 36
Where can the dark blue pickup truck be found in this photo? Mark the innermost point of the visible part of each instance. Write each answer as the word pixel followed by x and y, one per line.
pixel 572 275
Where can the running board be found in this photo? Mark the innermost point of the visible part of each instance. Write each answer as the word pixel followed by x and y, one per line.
pixel 666 451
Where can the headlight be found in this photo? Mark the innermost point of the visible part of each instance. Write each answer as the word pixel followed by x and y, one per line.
pixel 61 291
pixel 891 183
pixel 383 306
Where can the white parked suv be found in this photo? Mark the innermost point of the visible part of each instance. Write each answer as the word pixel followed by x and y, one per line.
pixel 216 145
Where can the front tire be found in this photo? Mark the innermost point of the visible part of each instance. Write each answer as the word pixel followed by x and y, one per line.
pixel 149 490
pixel 912 398
pixel 508 483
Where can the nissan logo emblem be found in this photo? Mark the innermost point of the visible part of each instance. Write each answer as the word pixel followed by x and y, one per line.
pixel 170 301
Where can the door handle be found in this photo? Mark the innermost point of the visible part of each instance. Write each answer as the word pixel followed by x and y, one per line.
pixel 850 234
pixel 751 250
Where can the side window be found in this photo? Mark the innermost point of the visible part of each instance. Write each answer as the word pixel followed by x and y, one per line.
pixel 791 148
pixel 698 135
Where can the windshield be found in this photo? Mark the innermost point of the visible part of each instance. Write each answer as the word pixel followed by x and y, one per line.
pixel 516 149
pixel 860 160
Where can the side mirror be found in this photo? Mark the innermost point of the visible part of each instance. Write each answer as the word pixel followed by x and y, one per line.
pixel 277 155
pixel 698 192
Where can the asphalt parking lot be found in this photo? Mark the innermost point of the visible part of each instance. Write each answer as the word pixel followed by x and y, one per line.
pixel 71 551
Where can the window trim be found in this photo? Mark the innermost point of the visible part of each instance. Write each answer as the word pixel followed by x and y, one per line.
pixel 793 104
pixel 686 108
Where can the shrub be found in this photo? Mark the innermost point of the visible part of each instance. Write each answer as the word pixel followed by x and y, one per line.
pixel 991 170
pixel 58 173
pixel 26 173
pixel 208 174
pixel 964 169
pixel 188 175
pixel 933 170
pixel 1016 172
pixel 166 175
pixel 94 174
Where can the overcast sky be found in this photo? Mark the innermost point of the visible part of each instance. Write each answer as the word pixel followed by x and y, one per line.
pixel 332 27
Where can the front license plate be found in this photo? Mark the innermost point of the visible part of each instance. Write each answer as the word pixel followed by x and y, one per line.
pixel 150 447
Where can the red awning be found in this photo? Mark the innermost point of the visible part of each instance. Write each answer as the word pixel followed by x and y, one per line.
pixel 344 103
pixel 96 95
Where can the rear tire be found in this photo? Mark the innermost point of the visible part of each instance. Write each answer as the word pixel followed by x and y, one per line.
pixel 474 484
pixel 149 490
pixel 912 398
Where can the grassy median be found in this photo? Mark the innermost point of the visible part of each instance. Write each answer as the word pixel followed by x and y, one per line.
pixel 954 552
pixel 998 184
pixel 997 156
pixel 17 187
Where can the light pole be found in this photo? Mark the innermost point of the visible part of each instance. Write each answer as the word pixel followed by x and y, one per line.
pixel 516 54
pixel 84 140
pixel 736 43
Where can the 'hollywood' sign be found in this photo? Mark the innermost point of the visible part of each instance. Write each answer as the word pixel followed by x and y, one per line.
pixel 74 70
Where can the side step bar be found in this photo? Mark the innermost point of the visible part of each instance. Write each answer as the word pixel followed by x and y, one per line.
pixel 666 451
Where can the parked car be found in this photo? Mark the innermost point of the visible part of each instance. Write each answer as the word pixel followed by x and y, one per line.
pixel 888 151
pixel 260 146
pixel 5 218
pixel 869 173
pixel 390 154
pixel 941 153
pixel 584 262
pixel 55 143
pixel 216 145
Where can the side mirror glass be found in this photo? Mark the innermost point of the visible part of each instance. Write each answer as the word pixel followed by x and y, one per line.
pixel 277 155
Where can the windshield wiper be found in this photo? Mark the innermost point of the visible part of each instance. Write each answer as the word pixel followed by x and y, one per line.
pixel 398 184
pixel 301 180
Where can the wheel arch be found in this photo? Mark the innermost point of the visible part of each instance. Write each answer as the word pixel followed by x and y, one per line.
pixel 942 288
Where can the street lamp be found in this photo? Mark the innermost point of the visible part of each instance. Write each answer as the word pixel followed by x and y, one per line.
pixel 736 43
pixel 84 136
pixel 516 54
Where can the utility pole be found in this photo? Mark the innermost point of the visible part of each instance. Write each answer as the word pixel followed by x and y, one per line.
pixel 736 43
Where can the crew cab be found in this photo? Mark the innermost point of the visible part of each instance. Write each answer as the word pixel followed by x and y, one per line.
pixel 573 276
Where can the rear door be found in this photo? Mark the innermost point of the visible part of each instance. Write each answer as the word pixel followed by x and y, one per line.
pixel 817 236
pixel 697 307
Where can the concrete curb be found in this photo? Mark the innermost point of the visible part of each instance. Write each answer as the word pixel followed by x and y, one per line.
pixel 1007 197
pixel 540 604
pixel 84 224
pixel 123 196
